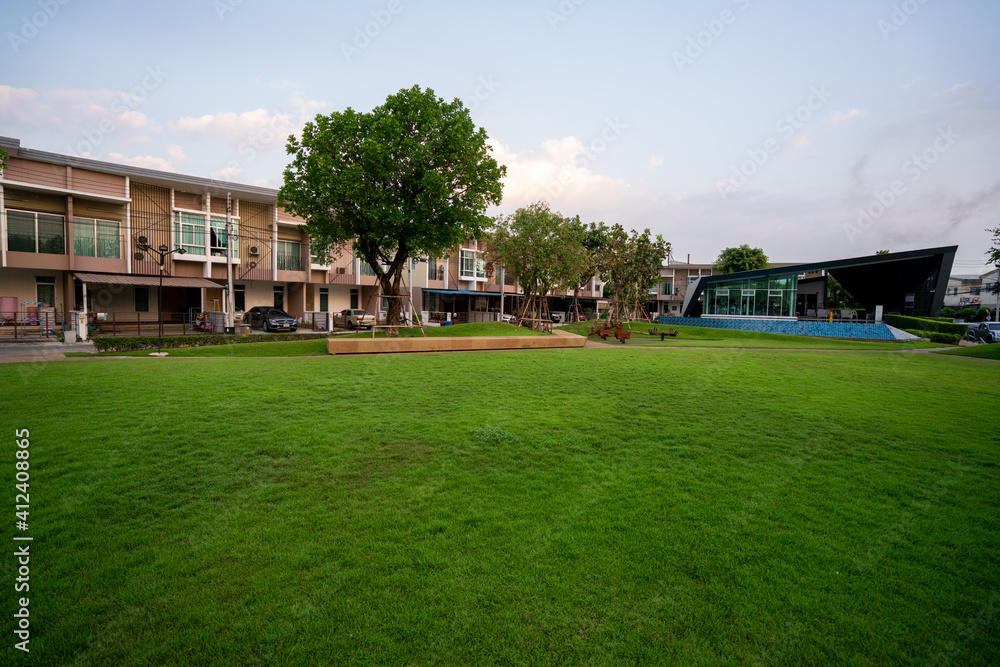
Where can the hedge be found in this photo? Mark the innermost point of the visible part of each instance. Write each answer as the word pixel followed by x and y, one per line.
pixel 936 336
pixel 904 322
pixel 130 343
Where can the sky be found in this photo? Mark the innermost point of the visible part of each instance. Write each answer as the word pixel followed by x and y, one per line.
pixel 814 130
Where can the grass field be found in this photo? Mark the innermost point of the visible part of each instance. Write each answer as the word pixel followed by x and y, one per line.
pixel 991 351
pixel 709 337
pixel 598 506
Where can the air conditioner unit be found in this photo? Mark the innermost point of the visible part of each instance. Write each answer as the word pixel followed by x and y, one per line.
pixel 138 256
pixel 142 240
pixel 254 250
pixel 341 269
pixel 252 265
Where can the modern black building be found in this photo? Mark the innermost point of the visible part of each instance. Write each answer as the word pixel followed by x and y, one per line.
pixel 909 283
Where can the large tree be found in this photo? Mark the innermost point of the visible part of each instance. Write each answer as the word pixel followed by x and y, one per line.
pixel 542 249
pixel 413 177
pixel 994 257
pixel 743 258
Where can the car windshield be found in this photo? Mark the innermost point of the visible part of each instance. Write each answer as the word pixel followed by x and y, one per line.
pixel 993 326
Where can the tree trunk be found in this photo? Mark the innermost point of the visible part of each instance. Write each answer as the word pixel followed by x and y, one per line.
pixel 390 283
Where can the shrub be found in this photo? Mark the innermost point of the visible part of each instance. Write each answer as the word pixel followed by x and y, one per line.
pixel 948 312
pixel 936 336
pixel 967 314
pixel 982 313
pixel 925 324
pixel 131 343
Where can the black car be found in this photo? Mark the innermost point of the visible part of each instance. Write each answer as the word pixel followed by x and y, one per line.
pixel 270 319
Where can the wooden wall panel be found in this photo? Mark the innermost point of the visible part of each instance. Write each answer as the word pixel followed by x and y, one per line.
pixel 150 218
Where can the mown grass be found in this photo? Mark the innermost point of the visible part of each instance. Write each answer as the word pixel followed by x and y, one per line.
pixel 599 506
pixel 990 351
pixel 708 337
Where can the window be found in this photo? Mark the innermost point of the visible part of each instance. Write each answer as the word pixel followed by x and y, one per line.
pixel 279 297
pixel 471 266
pixel 189 232
pixel 218 236
pixel 974 291
pixel 45 290
pixel 324 299
pixel 667 289
pixel 142 299
pixel 240 298
pixel 96 238
pixel 42 233
pixel 435 269
pixel 289 256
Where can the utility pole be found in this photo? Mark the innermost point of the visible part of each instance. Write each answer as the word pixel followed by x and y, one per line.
pixel 230 304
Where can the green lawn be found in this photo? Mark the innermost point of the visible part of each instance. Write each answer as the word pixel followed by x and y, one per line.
pixel 601 506
pixel 709 337
pixel 991 351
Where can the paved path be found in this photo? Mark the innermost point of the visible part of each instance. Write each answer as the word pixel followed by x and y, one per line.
pixel 40 351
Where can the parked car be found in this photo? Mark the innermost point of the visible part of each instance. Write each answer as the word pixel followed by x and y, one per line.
pixel 356 318
pixel 985 332
pixel 558 316
pixel 270 319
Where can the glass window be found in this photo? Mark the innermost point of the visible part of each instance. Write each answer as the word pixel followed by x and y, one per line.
pixel 96 238
pixel 472 266
pixel 36 232
pixel 667 288
pixel 189 232
pixel 324 299
pixel 218 236
pixel 289 256
pixel 45 290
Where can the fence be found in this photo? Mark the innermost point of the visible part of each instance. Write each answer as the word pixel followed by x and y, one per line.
pixel 30 322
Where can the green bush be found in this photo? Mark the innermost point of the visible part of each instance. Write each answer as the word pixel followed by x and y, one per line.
pixel 130 343
pixel 925 324
pixel 936 336
pixel 948 312
pixel 967 314
pixel 982 313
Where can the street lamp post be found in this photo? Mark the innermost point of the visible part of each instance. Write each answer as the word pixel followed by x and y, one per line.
pixel 162 253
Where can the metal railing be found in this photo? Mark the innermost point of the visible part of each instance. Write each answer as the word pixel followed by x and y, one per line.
pixel 25 324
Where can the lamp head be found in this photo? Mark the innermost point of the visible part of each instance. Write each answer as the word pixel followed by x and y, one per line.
pixel 181 251
pixel 163 248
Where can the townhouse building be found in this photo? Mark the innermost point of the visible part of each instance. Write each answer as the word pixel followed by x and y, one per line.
pixel 73 232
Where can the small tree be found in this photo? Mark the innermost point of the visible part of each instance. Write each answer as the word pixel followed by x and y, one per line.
pixel 412 177
pixel 994 257
pixel 631 264
pixel 982 314
pixel 3 159
pixel 743 258
pixel 967 314
pixel 947 311
pixel 541 249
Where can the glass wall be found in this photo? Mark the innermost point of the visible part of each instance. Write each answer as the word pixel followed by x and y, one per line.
pixel 764 296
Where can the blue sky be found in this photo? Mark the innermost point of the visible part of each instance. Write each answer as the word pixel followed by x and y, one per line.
pixel 813 130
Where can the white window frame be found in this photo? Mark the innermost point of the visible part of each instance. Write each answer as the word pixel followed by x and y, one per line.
pixel 478 273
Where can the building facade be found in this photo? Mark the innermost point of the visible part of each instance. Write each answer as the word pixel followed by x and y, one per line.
pixel 72 232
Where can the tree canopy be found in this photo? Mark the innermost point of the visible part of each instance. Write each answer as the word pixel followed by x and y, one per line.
pixel 743 258
pixel 412 177
pixel 542 249
pixel 631 263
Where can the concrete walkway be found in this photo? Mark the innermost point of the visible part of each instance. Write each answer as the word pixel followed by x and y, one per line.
pixel 40 350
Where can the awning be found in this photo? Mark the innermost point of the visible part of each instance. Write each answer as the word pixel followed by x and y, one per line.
pixel 465 292
pixel 126 279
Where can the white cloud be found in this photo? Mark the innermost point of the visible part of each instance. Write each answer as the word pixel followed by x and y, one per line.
pixel 954 89
pixel 176 153
pixel 654 161
pixel 227 174
pixel 907 85
pixel 144 161
pixel 559 173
